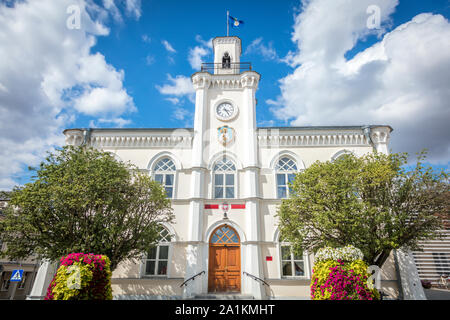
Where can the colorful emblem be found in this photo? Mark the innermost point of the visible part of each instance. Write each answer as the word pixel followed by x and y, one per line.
pixel 225 134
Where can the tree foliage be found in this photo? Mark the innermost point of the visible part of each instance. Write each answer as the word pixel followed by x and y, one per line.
pixel 373 202
pixel 83 200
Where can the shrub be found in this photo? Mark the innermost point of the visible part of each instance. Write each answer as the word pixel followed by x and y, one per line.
pixel 81 277
pixel 340 274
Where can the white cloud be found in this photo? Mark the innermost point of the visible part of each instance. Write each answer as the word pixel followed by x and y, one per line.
pixel 179 86
pixel 402 80
pixel 258 47
pixel 149 60
pixel 173 100
pixel 146 38
pixel 180 113
pixel 195 57
pixel 168 46
pixel 177 90
pixel 48 76
pixel 133 8
pixel 197 53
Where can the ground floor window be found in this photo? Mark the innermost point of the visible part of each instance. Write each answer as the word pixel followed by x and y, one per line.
pixel 157 258
pixel 292 265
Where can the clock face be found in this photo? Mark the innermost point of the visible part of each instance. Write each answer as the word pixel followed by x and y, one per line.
pixel 225 111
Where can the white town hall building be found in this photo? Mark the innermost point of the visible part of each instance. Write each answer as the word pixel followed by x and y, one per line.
pixel 226 178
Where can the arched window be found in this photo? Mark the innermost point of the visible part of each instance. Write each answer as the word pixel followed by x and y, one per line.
pixel 285 169
pixel 224 179
pixel 157 258
pixel 164 173
pixel 224 235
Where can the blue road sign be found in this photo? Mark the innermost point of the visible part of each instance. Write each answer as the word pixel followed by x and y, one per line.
pixel 16 275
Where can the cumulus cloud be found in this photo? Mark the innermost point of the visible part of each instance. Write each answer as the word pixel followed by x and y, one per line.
pixel 180 86
pixel 197 53
pixel 402 80
pixel 49 76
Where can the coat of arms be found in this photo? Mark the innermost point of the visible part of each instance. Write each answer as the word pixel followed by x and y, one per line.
pixel 225 134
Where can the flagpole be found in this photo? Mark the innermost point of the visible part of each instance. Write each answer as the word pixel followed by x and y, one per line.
pixel 228 28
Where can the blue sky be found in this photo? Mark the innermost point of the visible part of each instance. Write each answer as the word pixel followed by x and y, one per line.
pixel 129 66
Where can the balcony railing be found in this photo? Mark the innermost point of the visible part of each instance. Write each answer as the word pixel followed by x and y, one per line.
pixel 226 68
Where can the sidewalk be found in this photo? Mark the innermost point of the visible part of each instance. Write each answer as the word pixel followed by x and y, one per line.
pixel 437 294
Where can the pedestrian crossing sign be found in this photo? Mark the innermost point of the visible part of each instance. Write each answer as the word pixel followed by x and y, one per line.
pixel 16 275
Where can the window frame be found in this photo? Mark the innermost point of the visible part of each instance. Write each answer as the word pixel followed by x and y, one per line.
pixel 157 259
pixel 164 173
pixel 305 260
pixel 286 174
pixel 224 184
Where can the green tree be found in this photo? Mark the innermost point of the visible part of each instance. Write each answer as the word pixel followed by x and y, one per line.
pixel 83 200
pixel 372 202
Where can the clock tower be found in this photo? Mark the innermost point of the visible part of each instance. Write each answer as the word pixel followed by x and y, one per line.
pixel 225 126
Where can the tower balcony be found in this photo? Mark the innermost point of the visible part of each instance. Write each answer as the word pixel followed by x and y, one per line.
pixel 226 68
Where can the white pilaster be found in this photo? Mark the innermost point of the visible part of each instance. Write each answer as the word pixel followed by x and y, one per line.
pixel 194 254
pixel 253 260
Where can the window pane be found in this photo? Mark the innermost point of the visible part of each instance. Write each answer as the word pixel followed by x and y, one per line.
pixel 230 192
pixel 163 252
pixel 287 268
pixel 285 253
pixel 281 192
pixel 169 192
pixel 169 179
pixel 230 180
pixel 152 253
pixel 281 179
pixel 159 178
pixel 291 177
pixel 162 267
pixel 299 270
pixel 298 256
pixel 218 179
pixel 218 193
pixel 150 267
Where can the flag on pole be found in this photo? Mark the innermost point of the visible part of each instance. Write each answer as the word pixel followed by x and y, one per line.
pixel 236 23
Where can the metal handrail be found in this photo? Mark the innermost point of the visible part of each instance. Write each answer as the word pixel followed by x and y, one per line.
pixel 191 278
pixel 256 278
pixel 235 66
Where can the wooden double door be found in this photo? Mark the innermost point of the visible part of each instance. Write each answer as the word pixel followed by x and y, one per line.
pixel 224 261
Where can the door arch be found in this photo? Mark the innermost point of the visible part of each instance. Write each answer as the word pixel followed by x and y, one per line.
pixel 224 271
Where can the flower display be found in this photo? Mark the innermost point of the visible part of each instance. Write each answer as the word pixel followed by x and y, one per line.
pixel 81 276
pixel 341 274
pixel 348 253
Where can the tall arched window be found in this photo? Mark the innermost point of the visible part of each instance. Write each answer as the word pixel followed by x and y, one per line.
pixel 285 169
pixel 224 176
pixel 157 258
pixel 164 173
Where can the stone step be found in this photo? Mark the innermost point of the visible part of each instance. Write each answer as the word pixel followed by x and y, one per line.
pixel 222 297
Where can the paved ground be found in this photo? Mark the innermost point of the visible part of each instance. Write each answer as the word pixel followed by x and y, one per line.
pixel 437 294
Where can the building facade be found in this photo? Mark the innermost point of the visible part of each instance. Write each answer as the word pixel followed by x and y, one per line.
pixel 226 178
